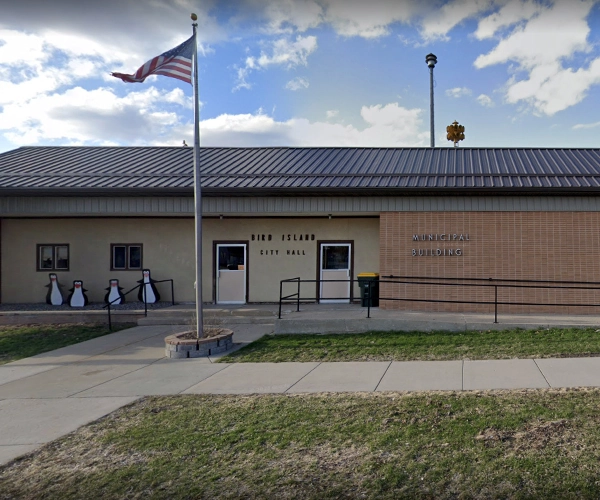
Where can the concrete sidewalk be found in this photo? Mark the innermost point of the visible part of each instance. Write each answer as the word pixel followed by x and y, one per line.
pixel 49 395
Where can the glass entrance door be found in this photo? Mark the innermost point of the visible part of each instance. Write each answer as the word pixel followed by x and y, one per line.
pixel 231 273
pixel 335 264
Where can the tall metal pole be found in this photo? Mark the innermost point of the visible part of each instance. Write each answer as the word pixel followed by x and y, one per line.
pixel 431 119
pixel 431 60
pixel 197 190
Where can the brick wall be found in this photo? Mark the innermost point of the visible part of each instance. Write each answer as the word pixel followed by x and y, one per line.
pixel 506 245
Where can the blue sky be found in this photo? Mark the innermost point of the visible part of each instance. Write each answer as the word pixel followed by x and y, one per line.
pixel 515 73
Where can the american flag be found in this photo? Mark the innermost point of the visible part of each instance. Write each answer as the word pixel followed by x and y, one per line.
pixel 176 63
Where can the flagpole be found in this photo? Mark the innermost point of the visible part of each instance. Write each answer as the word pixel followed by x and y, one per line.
pixel 197 189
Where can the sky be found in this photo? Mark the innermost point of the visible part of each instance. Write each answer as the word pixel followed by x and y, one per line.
pixel 514 73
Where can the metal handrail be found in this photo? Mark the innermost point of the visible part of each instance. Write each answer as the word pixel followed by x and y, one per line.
pixel 478 282
pixel 505 280
pixel 136 287
pixel 296 296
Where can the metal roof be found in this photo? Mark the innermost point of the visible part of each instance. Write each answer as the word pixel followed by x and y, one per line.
pixel 247 171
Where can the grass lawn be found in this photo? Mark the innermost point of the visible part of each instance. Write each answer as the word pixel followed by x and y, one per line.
pixel 440 345
pixel 22 341
pixel 504 444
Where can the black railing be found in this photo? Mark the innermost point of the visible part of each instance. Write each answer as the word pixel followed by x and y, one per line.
pixel 490 283
pixel 295 297
pixel 137 287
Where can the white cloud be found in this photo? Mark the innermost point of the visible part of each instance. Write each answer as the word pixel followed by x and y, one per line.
pixel 80 67
pixel 94 116
pixel 77 45
pixel 18 49
pixel 393 125
pixel 113 24
pixel 154 117
pixel 585 125
pixel 297 83
pixel 551 89
pixel 332 113
pixel 283 52
pixel 551 36
pixel 242 83
pixel 512 13
pixel 41 82
pixel 389 125
pixel 284 16
pixel 440 21
pixel 32 64
pixel 557 32
pixel 368 19
pixel 485 101
pixel 457 92
pixel 347 17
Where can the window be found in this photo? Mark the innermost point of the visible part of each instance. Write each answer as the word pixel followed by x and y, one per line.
pixel 124 257
pixel 231 257
pixel 53 257
pixel 336 256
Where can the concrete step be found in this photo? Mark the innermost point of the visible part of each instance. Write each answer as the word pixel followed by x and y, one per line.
pixel 212 316
pixel 244 312
pixel 213 321
pixel 63 317
pixel 174 311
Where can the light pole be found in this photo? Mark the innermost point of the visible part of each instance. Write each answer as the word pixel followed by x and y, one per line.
pixel 431 60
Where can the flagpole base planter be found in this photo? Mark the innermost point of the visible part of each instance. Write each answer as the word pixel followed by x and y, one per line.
pixel 186 345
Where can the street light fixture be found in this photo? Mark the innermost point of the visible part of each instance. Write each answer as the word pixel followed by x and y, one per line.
pixel 431 61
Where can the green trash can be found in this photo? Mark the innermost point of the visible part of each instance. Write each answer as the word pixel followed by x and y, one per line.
pixel 369 289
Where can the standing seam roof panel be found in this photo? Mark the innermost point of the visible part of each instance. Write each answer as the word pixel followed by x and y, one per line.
pixel 322 168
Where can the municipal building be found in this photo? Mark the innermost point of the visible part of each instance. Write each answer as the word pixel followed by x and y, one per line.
pixel 100 213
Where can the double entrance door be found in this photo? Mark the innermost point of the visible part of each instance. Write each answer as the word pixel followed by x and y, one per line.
pixel 335 263
pixel 335 271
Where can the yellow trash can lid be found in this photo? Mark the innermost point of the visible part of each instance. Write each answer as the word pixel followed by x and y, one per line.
pixel 368 275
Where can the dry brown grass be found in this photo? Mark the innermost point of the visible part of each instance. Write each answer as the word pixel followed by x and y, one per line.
pixel 486 444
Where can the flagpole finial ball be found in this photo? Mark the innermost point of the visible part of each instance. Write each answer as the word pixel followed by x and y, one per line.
pixel 194 17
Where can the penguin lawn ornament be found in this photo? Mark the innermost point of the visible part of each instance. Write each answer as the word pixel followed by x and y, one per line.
pixel 78 298
pixel 115 296
pixel 148 293
pixel 54 295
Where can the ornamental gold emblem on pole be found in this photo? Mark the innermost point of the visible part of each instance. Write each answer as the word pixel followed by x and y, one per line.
pixel 456 133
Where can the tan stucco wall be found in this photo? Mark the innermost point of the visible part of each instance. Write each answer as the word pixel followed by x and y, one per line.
pixel 266 269
pixel 169 252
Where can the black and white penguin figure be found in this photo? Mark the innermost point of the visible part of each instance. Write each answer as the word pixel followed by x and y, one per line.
pixel 115 296
pixel 148 293
pixel 54 296
pixel 77 298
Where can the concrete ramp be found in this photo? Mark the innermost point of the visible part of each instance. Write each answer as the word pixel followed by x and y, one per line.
pixel 185 314
pixel 351 318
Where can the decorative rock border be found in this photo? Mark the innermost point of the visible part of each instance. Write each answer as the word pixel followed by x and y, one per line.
pixel 180 348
